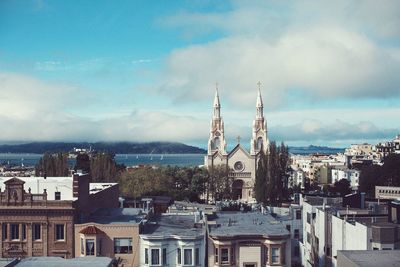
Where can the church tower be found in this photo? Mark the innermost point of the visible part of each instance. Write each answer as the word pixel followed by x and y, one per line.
pixel 259 137
pixel 216 141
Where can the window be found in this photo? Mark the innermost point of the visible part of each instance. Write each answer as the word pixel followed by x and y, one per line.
pixel 308 218
pixel 275 255
pixel 82 247
pixel 308 238
pixel 296 233
pixel 60 232
pixel 23 231
pixel 224 255
pixel 89 247
pixel 187 257
pixel 288 227
pixel 266 255
pixel 197 256
pixel 36 232
pixel 14 231
pixel 123 245
pixel 216 255
pixel 4 231
pixel 298 214
pixel 155 256
pixel 164 256
pixel 178 256
pixel 146 256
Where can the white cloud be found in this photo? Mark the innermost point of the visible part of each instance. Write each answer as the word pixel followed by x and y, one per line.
pixel 321 50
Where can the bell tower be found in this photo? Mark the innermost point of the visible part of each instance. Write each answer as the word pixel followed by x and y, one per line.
pixel 216 140
pixel 259 137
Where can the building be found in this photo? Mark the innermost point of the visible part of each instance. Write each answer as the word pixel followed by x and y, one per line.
pixel 368 258
pixel 38 214
pixel 351 175
pixel 248 240
pixel 291 218
pixel 110 232
pixel 34 224
pixel 387 192
pixel 240 163
pixel 173 240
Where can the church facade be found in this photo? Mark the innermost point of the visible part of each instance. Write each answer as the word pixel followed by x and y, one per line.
pixel 241 163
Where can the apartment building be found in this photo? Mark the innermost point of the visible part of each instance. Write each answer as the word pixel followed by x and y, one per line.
pixel 37 214
pixel 173 240
pixel 248 240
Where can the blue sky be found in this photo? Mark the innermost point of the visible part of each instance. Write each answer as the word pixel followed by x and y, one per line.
pixel 146 70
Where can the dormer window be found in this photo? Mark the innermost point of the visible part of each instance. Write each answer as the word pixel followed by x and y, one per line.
pixel 57 195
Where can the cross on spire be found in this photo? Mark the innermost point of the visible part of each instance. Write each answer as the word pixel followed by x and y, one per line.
pixel 238 139
pixel 259 85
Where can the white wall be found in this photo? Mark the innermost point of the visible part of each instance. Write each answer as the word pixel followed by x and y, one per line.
pixel 171 245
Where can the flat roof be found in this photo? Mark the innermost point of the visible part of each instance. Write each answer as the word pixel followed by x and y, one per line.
pixel 116 216
pixel 60 262
pixel 51 184
pixel 371 258
pixel 167 225
pixel 236 223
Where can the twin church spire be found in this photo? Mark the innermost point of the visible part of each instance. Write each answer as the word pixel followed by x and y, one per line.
pixel 259 140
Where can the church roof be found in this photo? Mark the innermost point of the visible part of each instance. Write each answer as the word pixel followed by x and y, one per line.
pixel 237 148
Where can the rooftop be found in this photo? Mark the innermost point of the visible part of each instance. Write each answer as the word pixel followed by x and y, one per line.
pixel 60 262
pixel 229 224
pixel 371 258
pixel 51 184
pixel 116 216
pixel 167 225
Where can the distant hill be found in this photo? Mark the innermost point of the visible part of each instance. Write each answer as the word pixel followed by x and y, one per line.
pixel 113 147
pixel 315 150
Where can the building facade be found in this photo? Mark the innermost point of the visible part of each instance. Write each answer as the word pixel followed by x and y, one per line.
pixel 240 163
pixel 173 240
pixel 32 225
pixel 247 240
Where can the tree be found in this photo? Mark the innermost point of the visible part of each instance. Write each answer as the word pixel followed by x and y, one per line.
pixel 271 185
pixel 342 187
pixel 52 165
pixel 103 167
pixel 261 179
pixel 386 175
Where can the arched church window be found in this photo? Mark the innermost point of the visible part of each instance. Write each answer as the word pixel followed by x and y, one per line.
pixel 259 142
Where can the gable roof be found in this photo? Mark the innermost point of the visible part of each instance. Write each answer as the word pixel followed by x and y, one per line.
pixel 14 180
pixel 238 147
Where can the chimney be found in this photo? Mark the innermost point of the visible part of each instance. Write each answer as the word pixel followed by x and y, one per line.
pixel 362 200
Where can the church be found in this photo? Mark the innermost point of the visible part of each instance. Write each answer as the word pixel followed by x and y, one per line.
pixel 242 164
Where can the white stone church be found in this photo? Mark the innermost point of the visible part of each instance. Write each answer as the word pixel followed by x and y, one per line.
pixel 242 163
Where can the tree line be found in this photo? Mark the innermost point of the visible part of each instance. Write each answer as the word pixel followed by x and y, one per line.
pixel 387 174
pixel 181 183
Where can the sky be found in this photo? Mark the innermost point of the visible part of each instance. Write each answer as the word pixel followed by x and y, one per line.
pixel 147 70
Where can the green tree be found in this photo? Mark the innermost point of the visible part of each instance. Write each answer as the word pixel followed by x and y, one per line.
pixel 260 186
pixel 52 165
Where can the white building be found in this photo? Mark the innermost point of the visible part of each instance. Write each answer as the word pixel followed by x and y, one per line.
pixel 173 240
pixel 241 163
pixel 351 175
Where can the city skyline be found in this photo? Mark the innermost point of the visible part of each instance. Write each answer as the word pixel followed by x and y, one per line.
pixel 141 71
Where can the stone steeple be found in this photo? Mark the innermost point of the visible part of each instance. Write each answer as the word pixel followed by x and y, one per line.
pixel 216 141
pixel 259 137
